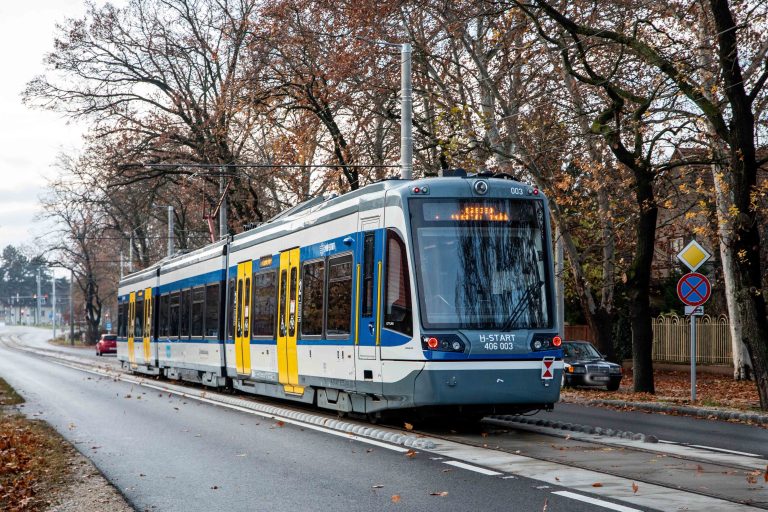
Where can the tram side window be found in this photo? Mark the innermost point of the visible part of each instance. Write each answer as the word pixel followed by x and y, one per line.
pixel 312 303
pixel 231 309
pixel 339 312
pixel 186 309
pixel 173 315
pixel 163 316
pixel 293 304
pixel 138 324
pixel 368 261
pixel 121 319
pixel 398 312
pixel 264 303
pixel 212 310
pixel 283 284
pixel 198 306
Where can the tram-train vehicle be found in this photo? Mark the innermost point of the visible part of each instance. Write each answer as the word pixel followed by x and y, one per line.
pixel 433 294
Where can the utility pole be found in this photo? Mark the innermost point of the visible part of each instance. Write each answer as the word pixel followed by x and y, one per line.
pixel 39 297
pixel 170 231
pixel 406 112
pixel 53 302
pixel 223 230
pixel 71 308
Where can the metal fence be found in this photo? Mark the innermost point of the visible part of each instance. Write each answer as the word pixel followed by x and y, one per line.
pixel 672 339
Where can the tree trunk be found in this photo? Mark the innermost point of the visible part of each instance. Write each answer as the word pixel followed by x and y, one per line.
pixel 638 286
pixel 742 367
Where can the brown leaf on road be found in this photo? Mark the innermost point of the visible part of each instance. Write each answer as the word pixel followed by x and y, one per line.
pixel 544 508
pixel 752 479
pixel 597 484
pixel 441 493
pixel 396 498
pixel 765 475
pixel 410 453
pixel 484 434
pixel 557 479
pixel 635 487
pixel 408 426
pixel 280 423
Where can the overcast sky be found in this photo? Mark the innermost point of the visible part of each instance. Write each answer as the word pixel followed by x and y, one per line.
pixel 29 139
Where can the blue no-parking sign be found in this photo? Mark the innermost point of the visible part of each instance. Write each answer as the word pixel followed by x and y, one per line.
pixel 694 289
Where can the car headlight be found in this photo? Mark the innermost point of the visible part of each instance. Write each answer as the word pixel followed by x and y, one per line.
pixel 616 370
pixel 579 369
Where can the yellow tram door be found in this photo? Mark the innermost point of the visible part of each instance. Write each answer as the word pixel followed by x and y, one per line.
pixel 131 327
pixel 147 325
pixel 243 317
pixel 287 319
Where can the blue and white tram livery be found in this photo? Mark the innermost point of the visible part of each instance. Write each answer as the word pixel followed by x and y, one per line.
pixel 435 294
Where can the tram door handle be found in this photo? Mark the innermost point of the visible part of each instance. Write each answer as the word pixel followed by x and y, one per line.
pixel 371 327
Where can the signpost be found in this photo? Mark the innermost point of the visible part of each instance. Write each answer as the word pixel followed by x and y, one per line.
pixel 694 290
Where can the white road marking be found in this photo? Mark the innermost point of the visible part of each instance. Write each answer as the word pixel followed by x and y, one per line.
pixel 705 447
pixel 724 450
pixel 469 467
pixel 593 501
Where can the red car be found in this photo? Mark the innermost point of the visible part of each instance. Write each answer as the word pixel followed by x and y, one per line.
pixel 107 344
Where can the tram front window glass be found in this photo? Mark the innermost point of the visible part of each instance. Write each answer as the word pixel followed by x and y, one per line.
pixel 481 263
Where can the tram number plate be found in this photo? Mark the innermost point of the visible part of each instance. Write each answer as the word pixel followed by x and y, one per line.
pixel 504 345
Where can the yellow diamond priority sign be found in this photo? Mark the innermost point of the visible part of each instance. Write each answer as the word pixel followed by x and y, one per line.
pixel 693 255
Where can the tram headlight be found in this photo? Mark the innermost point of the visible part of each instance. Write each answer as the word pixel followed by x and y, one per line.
pixel 442 343
pixel 537 345
pixel 481 187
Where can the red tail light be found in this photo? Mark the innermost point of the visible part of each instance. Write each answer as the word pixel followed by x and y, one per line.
pixel 557 341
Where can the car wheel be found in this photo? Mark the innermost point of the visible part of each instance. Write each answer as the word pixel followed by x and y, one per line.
pixel 613 386
pixel 98 353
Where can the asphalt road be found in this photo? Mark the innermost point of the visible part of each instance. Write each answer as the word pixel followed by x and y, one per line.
pixel 168 453
pixel 679 429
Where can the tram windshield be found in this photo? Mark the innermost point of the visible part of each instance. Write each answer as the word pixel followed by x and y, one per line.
pixel 481 264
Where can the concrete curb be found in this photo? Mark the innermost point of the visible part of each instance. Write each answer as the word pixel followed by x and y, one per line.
pixel 576 427
pixel 684 410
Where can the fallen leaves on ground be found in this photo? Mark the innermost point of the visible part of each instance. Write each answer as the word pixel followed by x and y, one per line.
pixel 408 426
pixel 597 484
pixel 410 453
pixel 396 498
pixel 674 386
pixel 635 487
pixel 33 461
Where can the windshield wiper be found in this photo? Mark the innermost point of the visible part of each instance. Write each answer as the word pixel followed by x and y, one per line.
pixel 520 307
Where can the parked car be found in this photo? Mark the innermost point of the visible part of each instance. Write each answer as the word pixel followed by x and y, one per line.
pixel 586 366
pixel 107 344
